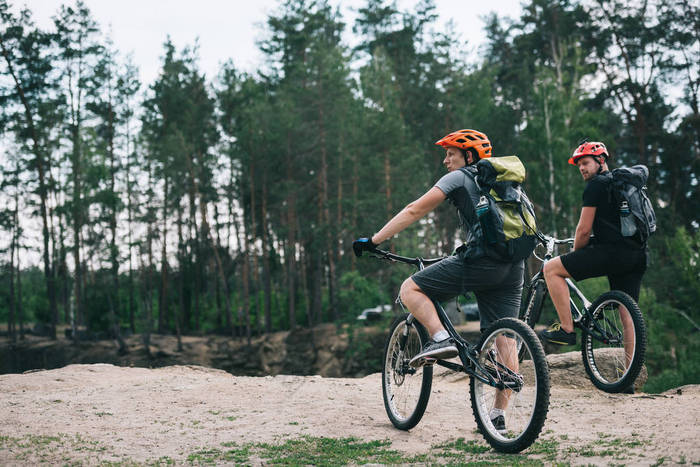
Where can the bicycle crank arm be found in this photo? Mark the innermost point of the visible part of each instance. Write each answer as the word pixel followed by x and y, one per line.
pixel 456 367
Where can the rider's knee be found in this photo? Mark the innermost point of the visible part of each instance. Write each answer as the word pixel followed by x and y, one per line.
pixel 408 288
pixel 550 269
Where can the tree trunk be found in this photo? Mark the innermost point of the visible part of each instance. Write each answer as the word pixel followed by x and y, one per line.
pixel 18 306
pixel 550 165
pixel 290 254
pixel 246 297
pixel 147 281
pixel 325 220
pixel 355 199
pixel 113 249
pixel 162 299
pixel 12 334
pixel 250 243
pixel 194 235
pixel 267 287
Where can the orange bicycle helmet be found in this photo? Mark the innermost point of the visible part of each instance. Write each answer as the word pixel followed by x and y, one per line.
pixel 593 148
pixel 468 139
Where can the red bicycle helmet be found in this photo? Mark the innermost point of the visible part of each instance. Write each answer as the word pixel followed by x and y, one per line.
pixel 468 139
pixel 593 148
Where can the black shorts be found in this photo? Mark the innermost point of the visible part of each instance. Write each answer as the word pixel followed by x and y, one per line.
pixel 497 285
pixel 623 266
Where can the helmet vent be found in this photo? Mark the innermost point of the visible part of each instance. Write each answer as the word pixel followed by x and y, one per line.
pixel 461 140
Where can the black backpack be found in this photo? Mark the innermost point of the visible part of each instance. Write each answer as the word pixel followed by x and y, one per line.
pixel 628 189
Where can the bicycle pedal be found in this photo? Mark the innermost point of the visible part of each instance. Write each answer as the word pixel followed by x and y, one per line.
pixel 425 361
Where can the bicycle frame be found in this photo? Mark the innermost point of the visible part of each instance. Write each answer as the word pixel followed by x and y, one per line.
pixel 581 318
pixel 467 352
pixel 549 242
pixel 576 314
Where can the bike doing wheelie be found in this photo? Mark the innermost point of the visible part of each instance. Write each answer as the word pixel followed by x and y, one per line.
pixel 498 377
pixel 613 340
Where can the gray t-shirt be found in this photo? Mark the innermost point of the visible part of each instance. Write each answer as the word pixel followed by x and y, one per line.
pixel 463 192
pixel 451 181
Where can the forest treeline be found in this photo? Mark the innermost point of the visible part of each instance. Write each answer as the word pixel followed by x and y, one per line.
pixel 228 203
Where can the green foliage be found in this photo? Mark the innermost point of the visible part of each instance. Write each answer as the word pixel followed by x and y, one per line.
pixel 672 317
pixel 359 292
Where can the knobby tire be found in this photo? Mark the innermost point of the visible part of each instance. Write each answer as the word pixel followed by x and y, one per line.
pixel 602 361
pixel 405 394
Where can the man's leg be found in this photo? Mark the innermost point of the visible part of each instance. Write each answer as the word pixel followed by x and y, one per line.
pixel 555 274
pixel 631 284
pixel 420 306
pixel 507 355
pixel 627 334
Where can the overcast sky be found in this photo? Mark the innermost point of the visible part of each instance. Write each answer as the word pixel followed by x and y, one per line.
pixel 229 29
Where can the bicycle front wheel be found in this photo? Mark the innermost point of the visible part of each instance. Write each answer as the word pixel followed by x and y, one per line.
pixel 524 397
pixel 406 390
pixel 614 342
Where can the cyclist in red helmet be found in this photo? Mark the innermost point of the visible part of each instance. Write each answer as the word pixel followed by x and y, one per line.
pixel 608 253
pixel 496 284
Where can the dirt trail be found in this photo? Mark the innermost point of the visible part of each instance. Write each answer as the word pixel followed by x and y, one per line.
pixel 103 413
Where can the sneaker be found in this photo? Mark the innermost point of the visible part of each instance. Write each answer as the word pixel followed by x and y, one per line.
pixel 556 335
pixel 499 423
pixel 434 350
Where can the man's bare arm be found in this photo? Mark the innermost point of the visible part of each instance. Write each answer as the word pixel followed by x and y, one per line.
pixel 411 213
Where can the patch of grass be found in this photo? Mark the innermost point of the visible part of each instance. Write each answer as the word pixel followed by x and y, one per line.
pixel 310 450
pixel 460 447
pixel 103 414
pixel 46 448
pixel 609 447
pixel 165 460
pixel 545 447
pixel 235 455
pixel 204 456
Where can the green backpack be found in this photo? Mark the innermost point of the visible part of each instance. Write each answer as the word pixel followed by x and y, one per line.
pixel 505 213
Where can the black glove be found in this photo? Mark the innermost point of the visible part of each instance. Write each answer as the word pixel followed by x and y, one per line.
pixel 362 244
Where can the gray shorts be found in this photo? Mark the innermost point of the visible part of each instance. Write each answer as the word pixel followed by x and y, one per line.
pixel 497 285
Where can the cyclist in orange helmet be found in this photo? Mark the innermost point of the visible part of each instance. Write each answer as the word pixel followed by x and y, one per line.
pixel 496 284
pixel 622 259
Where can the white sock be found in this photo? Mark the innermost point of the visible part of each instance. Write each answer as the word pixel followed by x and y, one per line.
pixel 496 412
pixel 440 336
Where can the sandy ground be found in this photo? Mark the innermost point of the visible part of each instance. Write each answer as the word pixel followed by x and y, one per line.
pixel 100 413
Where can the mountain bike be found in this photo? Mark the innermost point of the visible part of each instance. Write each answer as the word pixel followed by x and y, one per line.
pixel 496 374
pixel 612 358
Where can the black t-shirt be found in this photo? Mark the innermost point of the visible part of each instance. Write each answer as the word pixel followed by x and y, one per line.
pixel 606 224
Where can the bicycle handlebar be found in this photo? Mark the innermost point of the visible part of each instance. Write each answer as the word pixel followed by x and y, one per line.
pixel 550 242
pixel 417 261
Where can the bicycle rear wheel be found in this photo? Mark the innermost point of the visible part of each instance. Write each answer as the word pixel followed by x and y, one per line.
pixel 406 390
pixel 526 404
pixel 613 358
